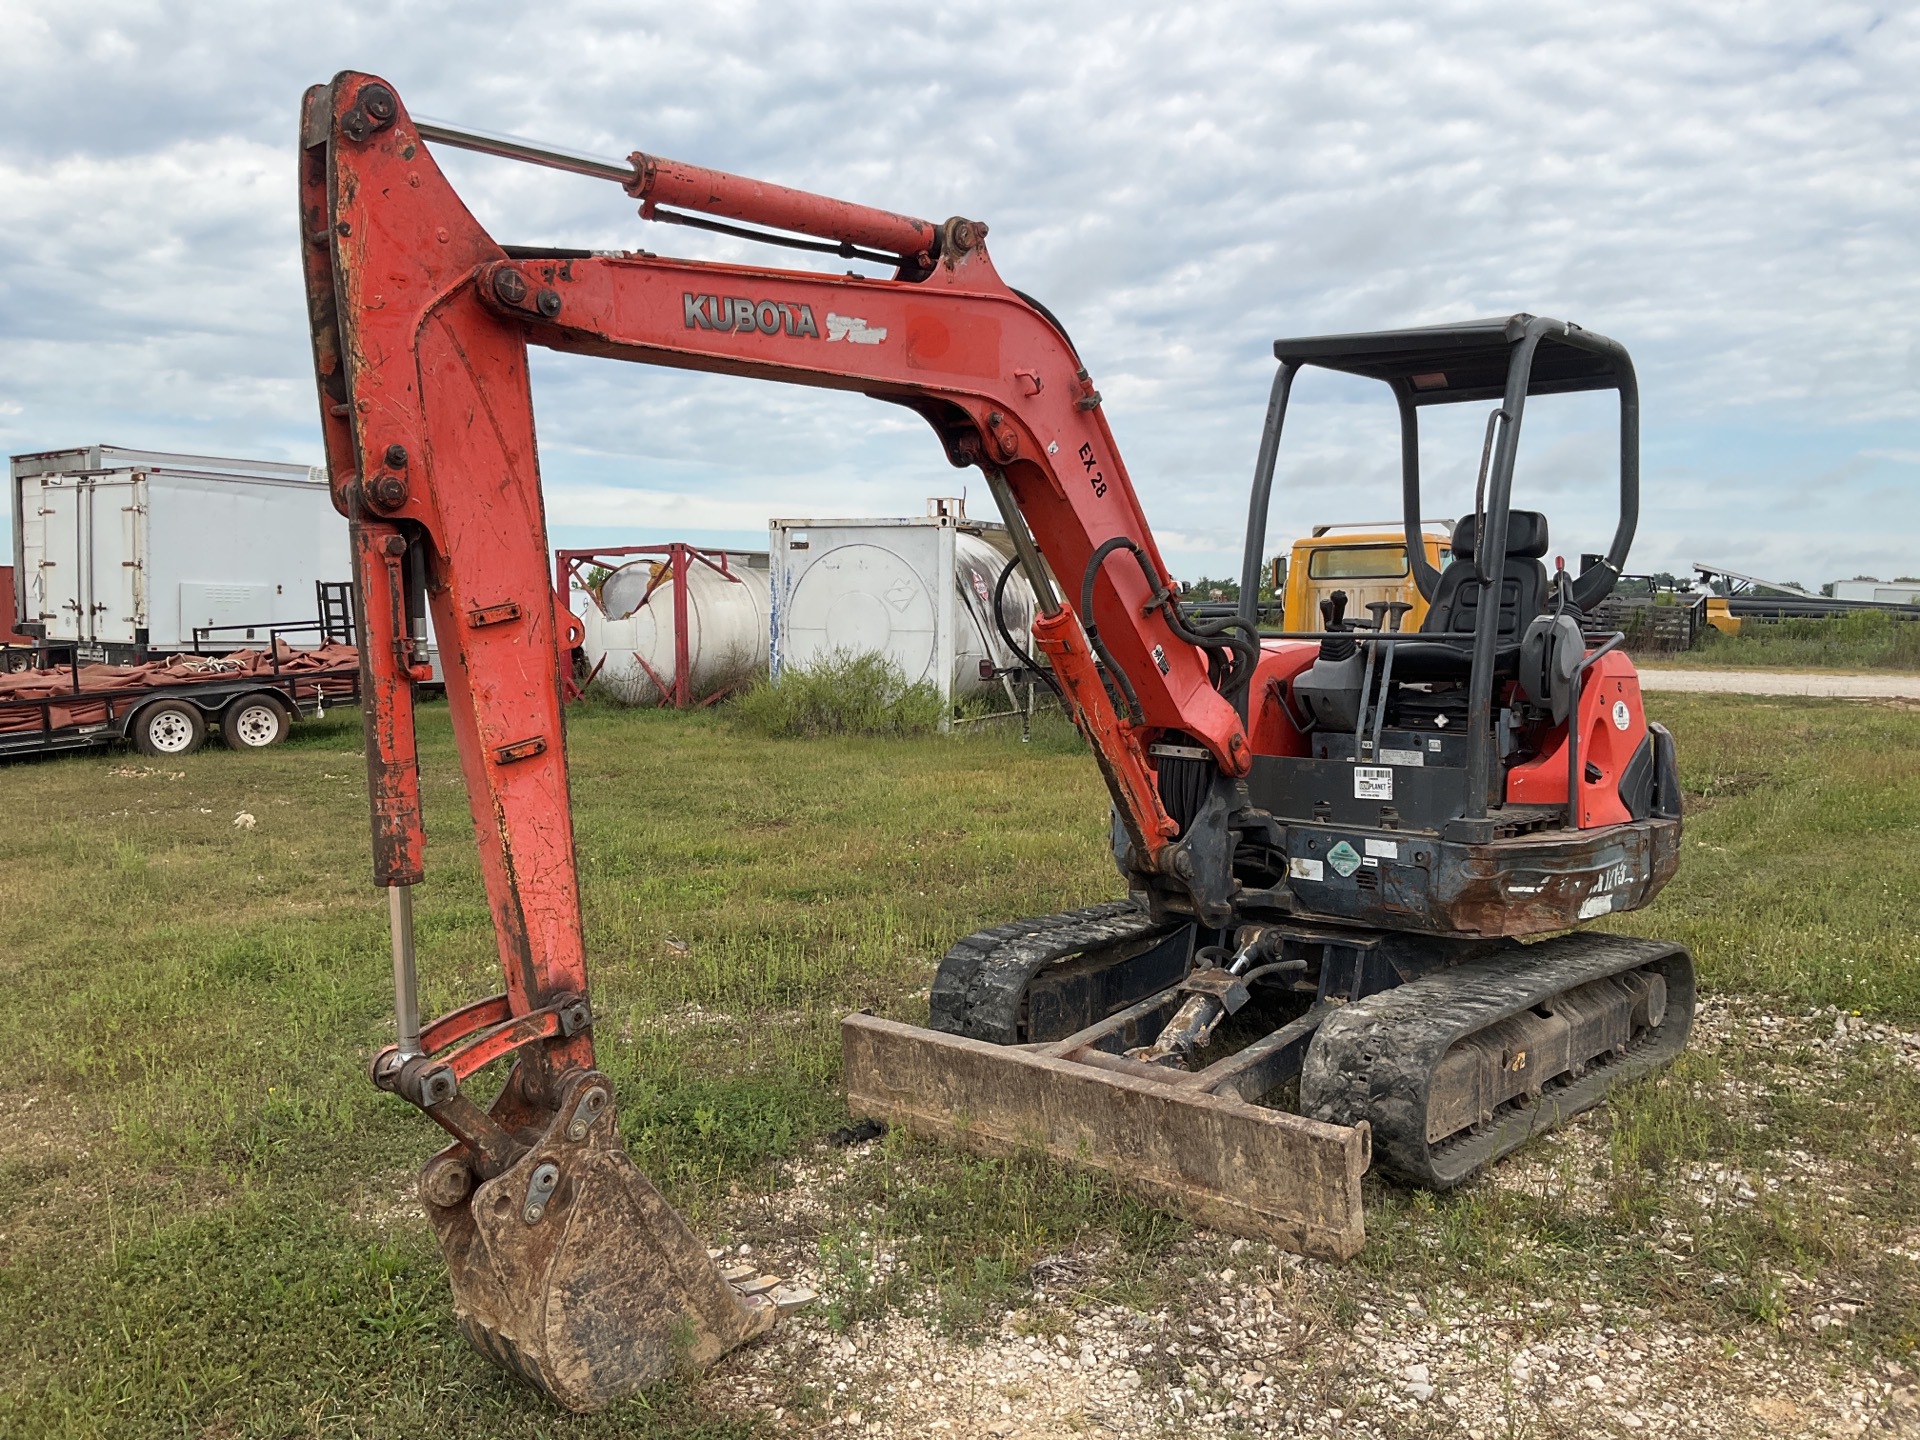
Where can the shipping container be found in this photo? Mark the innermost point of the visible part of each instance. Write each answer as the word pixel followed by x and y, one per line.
pixel 123 552
pixel 917 591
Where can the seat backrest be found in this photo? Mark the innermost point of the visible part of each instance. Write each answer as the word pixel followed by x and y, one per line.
pixel 1523 580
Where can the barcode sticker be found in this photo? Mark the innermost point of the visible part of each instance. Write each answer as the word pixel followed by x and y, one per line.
pixel 1372 782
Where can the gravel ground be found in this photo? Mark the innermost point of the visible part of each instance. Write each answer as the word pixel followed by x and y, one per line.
pixel 1880 686
pixel 1265 1343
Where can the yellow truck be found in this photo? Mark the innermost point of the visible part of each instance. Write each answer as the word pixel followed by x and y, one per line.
pixel 1369 565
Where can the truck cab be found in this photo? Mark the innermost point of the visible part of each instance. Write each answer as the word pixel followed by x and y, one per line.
pixel 1368 560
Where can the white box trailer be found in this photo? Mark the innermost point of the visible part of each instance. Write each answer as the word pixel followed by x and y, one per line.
pixel 119 549
pixel 918 591
pixel 1877 592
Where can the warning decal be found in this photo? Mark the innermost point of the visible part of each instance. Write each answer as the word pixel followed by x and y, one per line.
pixel 1344 858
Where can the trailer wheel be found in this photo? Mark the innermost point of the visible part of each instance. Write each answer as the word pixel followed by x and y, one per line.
pixel 253 722
pixel 172 727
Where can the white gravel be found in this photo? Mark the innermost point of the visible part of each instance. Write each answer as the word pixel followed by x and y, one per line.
pixel 1267 1344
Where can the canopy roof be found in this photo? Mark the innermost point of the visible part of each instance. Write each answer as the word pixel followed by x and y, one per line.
pixel 1442 364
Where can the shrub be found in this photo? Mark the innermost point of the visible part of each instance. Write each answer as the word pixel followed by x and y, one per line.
pixel 841 694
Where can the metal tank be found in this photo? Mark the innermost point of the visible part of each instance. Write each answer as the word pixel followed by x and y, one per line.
pixel 918 591
pixel 678 626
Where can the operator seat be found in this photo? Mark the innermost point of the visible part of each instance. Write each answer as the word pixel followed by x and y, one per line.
pixel 1456 603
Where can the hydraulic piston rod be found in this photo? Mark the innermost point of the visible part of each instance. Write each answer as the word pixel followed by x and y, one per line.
pixel 406 985
pixel 655 181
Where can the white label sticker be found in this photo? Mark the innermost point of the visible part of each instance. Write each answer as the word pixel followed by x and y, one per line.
pixel 1434 743
pixel 1402 757
pixel 1300 868
pixel 1372 782
pixel 853 328
pixel 1384 849
pixel 1595 905
pixel 1621 719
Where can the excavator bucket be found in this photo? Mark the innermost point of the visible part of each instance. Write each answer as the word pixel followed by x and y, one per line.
pixel 570 1270
pixel 1186 1141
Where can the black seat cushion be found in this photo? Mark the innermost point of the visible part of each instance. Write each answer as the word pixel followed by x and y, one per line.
pixel 1522 584
pixel 1526 535
pixel 1427 660
pixel 1456 603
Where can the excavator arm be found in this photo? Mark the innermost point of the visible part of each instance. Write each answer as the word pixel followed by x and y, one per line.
pixel 567 1266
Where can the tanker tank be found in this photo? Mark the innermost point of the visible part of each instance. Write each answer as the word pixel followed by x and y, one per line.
pixel 630 623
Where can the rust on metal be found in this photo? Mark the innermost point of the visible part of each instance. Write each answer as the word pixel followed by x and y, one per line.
pixel 494 614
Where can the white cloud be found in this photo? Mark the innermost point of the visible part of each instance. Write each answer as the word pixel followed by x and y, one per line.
pixel 1731 190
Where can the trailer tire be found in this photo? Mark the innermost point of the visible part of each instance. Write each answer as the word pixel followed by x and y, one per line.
pixel 254 722
pixel 170 728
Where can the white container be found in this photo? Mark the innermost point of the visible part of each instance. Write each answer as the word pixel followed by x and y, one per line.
pixel 916 591
pixel 118 547
pixel 1877 592
pixel 629 638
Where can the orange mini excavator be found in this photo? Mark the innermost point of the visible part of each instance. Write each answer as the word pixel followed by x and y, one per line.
pixel 1351 855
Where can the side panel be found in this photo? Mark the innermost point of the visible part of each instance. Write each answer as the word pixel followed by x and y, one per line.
pixel 1613 722
pixel 262 542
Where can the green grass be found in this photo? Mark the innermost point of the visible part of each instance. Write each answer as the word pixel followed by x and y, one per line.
pixel 842 694
pixel 1801 875
pixel 203 1222
pixel 1864 640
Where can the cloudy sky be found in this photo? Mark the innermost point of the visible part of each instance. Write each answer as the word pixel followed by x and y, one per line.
pixel 1732 190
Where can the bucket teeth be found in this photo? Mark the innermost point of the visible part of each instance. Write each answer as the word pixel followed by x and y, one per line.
pixel 600 1290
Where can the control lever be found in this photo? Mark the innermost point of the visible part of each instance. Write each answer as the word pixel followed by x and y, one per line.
pixel 1387 614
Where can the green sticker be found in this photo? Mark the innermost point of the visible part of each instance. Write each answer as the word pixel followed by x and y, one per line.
pixel 1344 858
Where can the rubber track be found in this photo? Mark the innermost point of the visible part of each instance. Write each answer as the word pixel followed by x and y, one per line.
pixel 982 982
pixel 1374 1060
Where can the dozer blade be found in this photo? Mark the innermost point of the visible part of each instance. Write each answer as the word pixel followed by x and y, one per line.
pixel 1211 1157
pixel 571 1271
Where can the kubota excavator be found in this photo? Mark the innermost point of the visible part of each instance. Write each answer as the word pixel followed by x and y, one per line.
pixel 1351 854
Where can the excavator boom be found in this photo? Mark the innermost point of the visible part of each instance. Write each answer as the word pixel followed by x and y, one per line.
pixel 566 1265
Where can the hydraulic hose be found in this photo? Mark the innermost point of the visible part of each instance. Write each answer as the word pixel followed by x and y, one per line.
pixel 1231 633
pixel 1006 634
pixel 1135 713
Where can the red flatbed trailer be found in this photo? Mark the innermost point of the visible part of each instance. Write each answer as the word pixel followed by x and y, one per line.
pixel 168 707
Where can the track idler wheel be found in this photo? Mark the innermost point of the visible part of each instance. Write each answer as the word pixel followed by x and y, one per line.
pixel 1462 1066
pixel 571 1271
